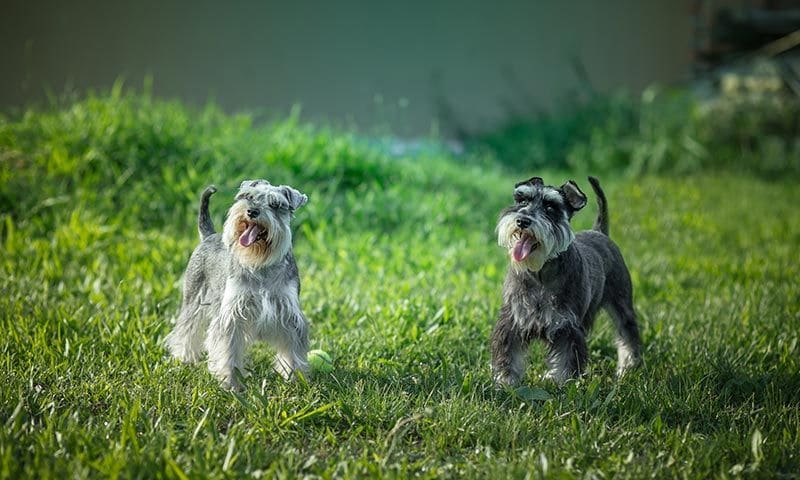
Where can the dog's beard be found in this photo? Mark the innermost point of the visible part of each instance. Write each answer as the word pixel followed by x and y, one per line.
pixel 530 248
pixel 255 243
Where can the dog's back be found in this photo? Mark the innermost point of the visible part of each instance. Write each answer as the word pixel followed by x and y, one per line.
pixel 604 255
pixel 203 276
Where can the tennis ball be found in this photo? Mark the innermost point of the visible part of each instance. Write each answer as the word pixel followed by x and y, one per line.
pixel 320 361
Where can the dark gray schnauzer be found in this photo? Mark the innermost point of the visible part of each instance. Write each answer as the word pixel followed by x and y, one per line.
pixel 557 282
pixel 242 285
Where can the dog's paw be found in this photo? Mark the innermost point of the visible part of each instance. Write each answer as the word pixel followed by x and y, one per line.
pixel 630 363
pixel 505 379
pixel 560 377
pixel 232 380
pixel 232 385
pixel 187 357
pixel 628 358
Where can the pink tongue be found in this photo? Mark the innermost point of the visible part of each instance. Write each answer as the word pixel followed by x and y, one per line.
pixel 522 249
pixel 249 236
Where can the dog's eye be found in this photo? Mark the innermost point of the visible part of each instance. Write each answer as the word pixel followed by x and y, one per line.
pixel 549 206
pixel 520 199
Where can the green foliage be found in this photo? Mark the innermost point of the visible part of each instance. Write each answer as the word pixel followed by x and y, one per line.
pixel 666 131
pixel 543 140
pixel 401 280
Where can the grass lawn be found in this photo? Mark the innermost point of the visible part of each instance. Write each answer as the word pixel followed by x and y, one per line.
pixel 401 281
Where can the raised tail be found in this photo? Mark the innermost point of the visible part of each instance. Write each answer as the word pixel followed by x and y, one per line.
pixel 601 223
pixel 204 224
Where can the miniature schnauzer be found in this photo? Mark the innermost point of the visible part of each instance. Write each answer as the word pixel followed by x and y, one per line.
pixel 242 285
pixel 556 283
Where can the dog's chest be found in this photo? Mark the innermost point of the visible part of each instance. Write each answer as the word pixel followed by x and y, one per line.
pixel 537 311
pixel 275 305
pixel 263 306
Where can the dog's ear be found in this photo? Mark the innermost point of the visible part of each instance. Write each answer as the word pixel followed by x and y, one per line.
pixel 573 195
pixel 294 198
pixel 535 181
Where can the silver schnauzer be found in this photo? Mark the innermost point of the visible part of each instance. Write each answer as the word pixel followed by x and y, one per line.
pixel 242 285
pixel 556 283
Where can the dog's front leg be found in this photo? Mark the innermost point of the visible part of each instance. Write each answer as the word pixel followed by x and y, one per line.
pixel 567 353
pixel 226 338
pixel 291 345
pixel 509 349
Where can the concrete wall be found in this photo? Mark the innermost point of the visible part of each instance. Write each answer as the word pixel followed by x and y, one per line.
pixel 364 61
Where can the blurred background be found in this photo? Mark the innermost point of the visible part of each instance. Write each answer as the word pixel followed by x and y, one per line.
pixel 406 124
pixel 446 67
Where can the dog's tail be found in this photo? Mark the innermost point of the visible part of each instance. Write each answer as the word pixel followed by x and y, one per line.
pixel 204 224
pixel 601 223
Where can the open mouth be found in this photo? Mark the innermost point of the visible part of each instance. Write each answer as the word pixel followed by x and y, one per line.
pixel 524 244
pixel 252 233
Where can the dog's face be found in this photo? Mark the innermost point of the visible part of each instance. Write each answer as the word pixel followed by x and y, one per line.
pixel 536 227
pixel 257 226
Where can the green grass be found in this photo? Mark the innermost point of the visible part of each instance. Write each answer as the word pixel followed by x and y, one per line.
pixel 401 279
pixel 664 131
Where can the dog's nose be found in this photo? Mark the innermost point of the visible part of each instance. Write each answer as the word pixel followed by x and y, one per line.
pixel 523 222
pixel 252 212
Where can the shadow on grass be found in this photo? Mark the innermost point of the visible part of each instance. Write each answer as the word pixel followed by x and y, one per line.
pixel 712 396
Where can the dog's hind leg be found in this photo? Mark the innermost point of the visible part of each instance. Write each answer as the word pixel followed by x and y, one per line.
pixel 185 341
pixel 628 342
